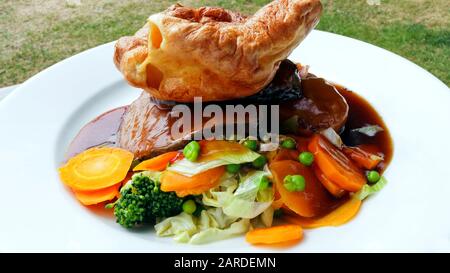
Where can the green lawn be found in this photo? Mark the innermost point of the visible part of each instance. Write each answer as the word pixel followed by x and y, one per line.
pixel 36 33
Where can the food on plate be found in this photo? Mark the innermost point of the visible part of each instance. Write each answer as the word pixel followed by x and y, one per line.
pixel 213 53
pixel 275 235
pixel 96 168
pixel 329 154
pixel 146 124
pixel 319 108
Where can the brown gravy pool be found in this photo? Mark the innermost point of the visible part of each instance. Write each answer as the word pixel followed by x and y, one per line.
pixel 361 113
pixel 99 132
pixel 102 130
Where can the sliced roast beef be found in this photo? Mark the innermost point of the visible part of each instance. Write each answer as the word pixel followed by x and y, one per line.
pixel 145 128
pixel 321 107
pixel 316 105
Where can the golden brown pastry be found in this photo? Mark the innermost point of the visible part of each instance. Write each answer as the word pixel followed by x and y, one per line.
pixel 213 53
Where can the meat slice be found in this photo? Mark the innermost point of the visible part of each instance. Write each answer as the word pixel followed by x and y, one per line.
pixel 321 107
pixel 147 124
pixel 145 128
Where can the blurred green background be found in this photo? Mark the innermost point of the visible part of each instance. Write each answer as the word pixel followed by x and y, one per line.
pixel 36 34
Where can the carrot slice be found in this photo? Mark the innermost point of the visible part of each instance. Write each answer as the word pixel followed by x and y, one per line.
pixel 197 190
pixel 363 157
pixel 330 186
pixel 275 235
pixel 214 149
pixel 96 168
pixel 88 198
pixel 335 165
pixel 286 154
pixel 339 216
pixel 158 163
pixel 172 181
pixel 314 200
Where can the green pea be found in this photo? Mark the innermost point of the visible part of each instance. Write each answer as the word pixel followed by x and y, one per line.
pixel 306 158
pixel 259 162
pixel 233 168
pixel 251 144
pixel 264 183
pixel 189 206
pixel 373 176
pixel 191 151
pixel 288 143
pixel 294 183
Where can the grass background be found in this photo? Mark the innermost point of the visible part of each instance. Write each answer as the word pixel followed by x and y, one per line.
pixel 35 34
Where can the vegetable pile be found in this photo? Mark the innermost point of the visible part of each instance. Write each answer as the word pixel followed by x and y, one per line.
pixel 213 190
pixel 142 201
pixel 95 175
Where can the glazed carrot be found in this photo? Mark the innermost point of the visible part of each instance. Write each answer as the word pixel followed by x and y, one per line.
pixel 172 181
pixel 335 165
pixel 363 157
pixel 96 168
pixel 88 198
pixel 330 186
pixel 278 201
pixel 214 149
pixel 339 216
pixel 286 154
pixel 275 235
pixel 302 143
pixel 158 163
pixel 197 190
pixel 308 203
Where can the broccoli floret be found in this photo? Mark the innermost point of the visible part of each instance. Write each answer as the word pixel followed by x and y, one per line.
pixel 142 201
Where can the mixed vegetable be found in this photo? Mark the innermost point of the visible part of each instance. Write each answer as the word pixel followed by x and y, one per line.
pixel 213 190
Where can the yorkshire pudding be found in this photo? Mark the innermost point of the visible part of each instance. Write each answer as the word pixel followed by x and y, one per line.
pixel 213 53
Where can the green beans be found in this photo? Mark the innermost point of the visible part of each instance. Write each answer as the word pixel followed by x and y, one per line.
pixel 251 144
pixel 306 158
pixel 294 183
pixel 259 162
pixel 288 143
pixel 189 206
pixel 191 151
pixel 233 168
pixel 373 176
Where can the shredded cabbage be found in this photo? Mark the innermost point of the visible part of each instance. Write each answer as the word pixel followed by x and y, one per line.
pixel 367 190
pixel 212 225
pixel 247 201
pixel 268 147
pixel 218 197
pixel 369 130
pixel 190 168
pixel 245 209
pixel 180 224
pixel 229 208
pixel 267 216
pixel 333 137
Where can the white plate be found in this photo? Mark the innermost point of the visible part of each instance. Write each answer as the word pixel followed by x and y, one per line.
pixel 37 213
